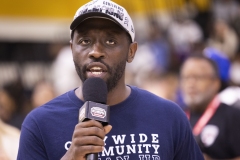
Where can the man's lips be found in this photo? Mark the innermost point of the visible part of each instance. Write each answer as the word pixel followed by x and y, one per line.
pixel 96 68
pixel 192 93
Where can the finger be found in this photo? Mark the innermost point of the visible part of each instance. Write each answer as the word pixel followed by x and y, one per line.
pixel 89 140
pixel 91 131
pixel 107 129
pixel 90 123
pixel 90 149
pixel 82 151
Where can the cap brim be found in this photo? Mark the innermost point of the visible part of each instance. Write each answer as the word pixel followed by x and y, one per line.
pixel 86 16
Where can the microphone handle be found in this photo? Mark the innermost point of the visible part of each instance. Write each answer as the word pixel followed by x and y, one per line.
pixel 92 156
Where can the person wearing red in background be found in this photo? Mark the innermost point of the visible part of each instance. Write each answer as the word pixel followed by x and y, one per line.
pixel 216 126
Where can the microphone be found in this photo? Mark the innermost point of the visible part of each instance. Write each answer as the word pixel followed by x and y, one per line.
pixel 95 95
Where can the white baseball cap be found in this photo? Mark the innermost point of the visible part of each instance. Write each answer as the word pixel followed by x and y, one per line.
pixel 104 9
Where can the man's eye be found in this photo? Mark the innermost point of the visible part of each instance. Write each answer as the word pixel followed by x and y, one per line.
pixel 111 42
pixel 84 41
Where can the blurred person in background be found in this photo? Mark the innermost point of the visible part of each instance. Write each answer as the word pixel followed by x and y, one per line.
pixel 9 141
pixel 42 93
pixel 141 67
pixel 224 38
pixel 229 89
pixel 200 11
pixel 231 94
pixel 184 33
pixel 163 85
pixel 13 102
pixel 154 56
pixel 227 10
pixel 64 75
pixel 216 125
pixel 159 47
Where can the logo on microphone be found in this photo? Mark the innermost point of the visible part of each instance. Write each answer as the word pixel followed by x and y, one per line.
pixel 98 112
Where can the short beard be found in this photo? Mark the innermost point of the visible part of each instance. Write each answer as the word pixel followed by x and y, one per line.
pixel 200 102
pixel 115 73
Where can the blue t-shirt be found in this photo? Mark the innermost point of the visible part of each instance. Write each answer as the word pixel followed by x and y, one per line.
pixel 145 127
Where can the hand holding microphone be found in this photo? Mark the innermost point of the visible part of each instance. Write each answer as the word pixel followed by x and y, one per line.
pixel 89 133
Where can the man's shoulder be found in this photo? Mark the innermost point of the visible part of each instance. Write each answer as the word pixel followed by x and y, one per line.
pixel 58 101
pixel 229 108
pixel 57 106
pixel 145 94
pixel 150 99
pixel 229 111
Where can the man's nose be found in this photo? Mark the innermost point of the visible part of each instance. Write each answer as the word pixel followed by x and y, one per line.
pixel 97 51
pixel 189 81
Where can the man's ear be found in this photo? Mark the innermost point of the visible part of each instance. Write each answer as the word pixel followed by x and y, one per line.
pixel 132 52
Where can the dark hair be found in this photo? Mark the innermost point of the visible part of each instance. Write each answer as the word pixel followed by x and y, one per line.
pixel 15 91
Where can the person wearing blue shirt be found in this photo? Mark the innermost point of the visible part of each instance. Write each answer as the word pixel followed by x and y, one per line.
pixel 142 125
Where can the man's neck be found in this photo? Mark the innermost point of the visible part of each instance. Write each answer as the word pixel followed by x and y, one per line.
pixel 115 96
pixel 199 109
pixel 118 95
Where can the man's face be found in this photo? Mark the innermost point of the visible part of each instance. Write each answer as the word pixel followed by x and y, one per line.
pixel 198 82
pixel 100 49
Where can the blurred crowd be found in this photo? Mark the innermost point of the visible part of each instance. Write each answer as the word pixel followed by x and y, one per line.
pixel 213 32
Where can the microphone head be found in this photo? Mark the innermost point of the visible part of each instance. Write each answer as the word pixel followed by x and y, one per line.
pixel 95 90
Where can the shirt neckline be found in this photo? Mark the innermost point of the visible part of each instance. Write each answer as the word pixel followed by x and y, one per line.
pixel 117 107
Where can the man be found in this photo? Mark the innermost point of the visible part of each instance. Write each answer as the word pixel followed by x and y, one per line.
pixel 144 126
pixel 216 126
